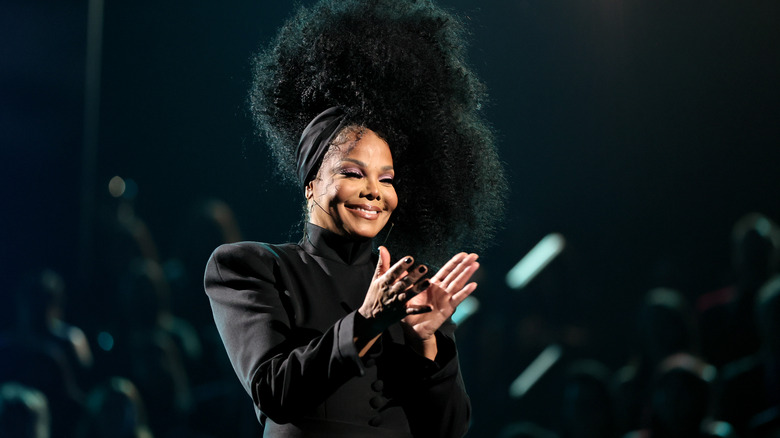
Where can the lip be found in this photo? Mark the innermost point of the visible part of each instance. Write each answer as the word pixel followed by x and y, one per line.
pixel 365 211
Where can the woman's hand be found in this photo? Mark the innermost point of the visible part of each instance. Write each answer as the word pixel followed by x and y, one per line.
pixel 387 299
pixel 447 289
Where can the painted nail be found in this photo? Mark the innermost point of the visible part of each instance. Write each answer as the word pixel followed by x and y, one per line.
pixel 422 269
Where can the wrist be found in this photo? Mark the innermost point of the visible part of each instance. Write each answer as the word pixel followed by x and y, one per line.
pixel 365 325
pixel 364 335
pixel 427 347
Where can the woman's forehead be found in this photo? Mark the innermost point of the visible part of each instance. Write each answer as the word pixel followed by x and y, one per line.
pixel 365 147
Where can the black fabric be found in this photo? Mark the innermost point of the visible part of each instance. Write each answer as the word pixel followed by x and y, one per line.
pixel 315 141
pixel 286 316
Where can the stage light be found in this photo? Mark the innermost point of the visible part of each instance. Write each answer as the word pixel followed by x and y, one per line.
pixel 105 341
pixel 467 307
pixel 116 186
pixel 535 371
pixel 537 259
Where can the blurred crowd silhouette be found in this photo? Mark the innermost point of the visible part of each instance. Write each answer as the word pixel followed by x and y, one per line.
pixel 143 359
pixel 708 367
pixel 140 359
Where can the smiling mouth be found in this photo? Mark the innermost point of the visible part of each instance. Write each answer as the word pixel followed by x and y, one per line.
pixel 365 213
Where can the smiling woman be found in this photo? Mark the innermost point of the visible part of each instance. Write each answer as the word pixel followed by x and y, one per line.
pixel 370 106
pixel 353 193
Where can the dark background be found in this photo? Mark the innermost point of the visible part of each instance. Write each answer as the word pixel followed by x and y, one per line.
pixel 640 130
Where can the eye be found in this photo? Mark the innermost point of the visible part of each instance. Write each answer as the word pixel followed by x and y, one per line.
pixel 387 180
pixel 351 173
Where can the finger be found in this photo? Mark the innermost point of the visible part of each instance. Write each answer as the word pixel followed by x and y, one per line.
pixel 463 277
pixel 383 263
pixel 397 297
pixel 420 286
pixel 449 266
pixel 405 290
pixel 414 275
pixel 418 310
pixel 407 293
pixel 462 294
pixel 464 264
pixel 402 283
pixel 398 269
pixel 394 298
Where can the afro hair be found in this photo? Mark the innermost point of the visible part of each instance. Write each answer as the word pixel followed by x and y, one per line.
pixel 398 68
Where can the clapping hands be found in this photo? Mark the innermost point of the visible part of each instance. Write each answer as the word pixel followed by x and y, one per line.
pixel 387 299
pixel 400 292
pixel 447 289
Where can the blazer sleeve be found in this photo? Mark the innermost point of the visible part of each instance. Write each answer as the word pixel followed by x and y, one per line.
pixel 285 374
pixel 435 396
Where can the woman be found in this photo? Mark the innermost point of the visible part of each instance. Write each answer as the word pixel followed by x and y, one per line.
pixel 369 105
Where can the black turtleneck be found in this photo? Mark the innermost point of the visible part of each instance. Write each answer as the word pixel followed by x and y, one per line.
pixel 286 316
pixel 327 244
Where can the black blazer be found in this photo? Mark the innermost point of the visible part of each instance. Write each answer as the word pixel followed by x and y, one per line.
pixel 285 314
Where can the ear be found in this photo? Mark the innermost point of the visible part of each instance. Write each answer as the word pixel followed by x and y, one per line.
pixel 309 190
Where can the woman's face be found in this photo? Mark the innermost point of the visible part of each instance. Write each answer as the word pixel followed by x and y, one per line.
pixel 353 193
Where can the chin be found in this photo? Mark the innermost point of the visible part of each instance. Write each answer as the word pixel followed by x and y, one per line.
pixel 364 232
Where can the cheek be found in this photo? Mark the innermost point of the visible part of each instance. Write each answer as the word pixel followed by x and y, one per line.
pixel 392 199
pixel 342 192
pixel 330 192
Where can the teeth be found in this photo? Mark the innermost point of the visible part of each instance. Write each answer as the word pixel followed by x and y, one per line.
pixel 367 211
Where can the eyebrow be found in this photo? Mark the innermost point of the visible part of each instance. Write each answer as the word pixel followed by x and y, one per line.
pixel 362 164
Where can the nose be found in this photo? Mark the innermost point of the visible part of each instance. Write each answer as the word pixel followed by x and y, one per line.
pixel 371 190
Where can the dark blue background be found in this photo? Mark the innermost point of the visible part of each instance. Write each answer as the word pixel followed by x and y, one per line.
pixel 641 130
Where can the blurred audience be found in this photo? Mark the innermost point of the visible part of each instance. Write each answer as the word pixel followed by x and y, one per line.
pixel 726 315
pixel 163 372
pixel 749 390
pixel 151 345
pixel 587 410
pixel 40 309
pixel 681 397
pixel 115 410
pixel 664 328
pixel 219 402
pixel 40 351
pixel 207 224
pixel 24 412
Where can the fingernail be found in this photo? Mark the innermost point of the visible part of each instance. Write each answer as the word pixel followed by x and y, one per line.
pixel 408 260
pixel 424 285
pixel 422 269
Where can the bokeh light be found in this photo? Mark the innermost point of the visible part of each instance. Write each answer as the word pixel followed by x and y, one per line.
pixel 117 186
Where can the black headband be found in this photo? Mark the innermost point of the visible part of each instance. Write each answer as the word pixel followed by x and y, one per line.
pixel 315 141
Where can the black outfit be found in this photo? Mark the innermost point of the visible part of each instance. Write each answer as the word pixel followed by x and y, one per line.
pixel 286 314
